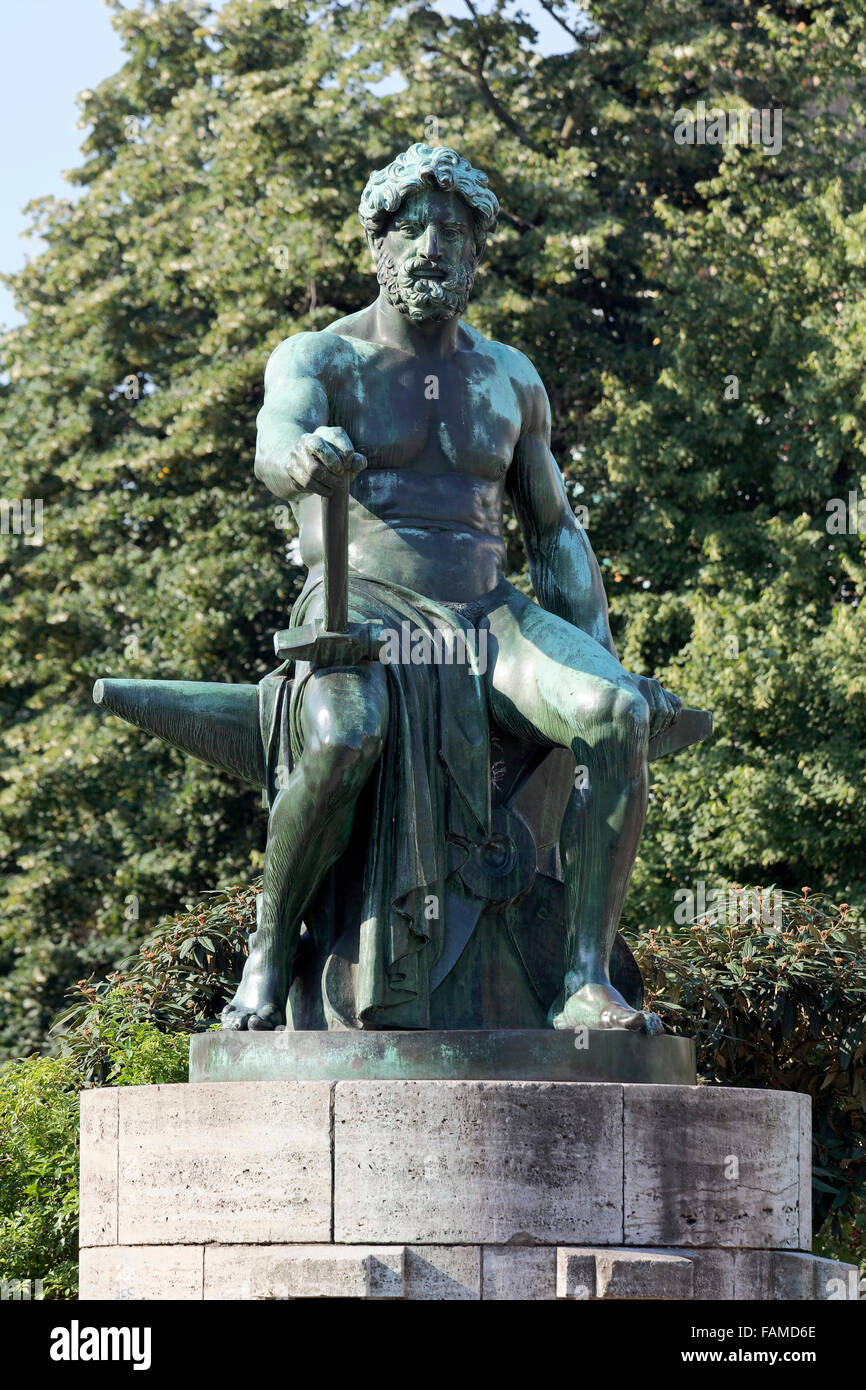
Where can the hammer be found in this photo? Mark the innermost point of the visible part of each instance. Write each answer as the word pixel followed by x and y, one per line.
pixel 333 641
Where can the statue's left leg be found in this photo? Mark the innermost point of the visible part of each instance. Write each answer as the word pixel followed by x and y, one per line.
pixel 552 683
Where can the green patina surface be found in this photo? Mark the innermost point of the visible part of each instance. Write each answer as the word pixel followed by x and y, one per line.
pixel 531 1054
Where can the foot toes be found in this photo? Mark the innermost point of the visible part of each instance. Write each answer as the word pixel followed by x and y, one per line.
pixel 265 1019
pixel 642 1022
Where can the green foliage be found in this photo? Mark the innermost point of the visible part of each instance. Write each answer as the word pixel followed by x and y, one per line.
pixel 846 1243
pixel 779 1003
pixel 132 1027
pixel 128 1030
pixel 39 1142
pixel 39 1174
pixel 115 1046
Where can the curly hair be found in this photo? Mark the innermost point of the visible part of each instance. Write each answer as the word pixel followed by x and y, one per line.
pixel 426 166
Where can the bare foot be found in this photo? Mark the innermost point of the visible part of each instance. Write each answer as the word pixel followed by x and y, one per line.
pixel 601 1006
pixel 260 1001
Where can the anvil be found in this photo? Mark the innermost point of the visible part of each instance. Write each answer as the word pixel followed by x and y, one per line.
pixel 219 723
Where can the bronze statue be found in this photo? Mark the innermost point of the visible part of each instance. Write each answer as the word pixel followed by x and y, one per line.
pixel 395 434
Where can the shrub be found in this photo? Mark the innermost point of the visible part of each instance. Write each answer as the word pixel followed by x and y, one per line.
pixel 39 1174
pixel 175 985
pixel 128 1030
pixel 779 1004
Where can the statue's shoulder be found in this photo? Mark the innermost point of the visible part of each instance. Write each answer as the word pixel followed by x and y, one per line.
pixel 307 354
pixel 506 358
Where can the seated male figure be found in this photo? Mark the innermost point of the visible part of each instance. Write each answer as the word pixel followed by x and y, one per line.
pixel 429 424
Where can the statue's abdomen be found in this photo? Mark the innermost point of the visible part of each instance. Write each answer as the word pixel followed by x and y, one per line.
pixel 438 534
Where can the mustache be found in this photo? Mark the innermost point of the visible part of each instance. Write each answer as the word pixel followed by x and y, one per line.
pixel 412 271
pixel 423 269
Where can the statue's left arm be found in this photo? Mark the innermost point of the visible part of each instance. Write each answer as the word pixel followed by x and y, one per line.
pixel 565 573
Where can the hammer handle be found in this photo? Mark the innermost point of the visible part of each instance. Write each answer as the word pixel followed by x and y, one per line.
pixel 335 543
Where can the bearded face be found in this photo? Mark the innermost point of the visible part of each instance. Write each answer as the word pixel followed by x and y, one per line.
pixel 426 260
pixel 419 296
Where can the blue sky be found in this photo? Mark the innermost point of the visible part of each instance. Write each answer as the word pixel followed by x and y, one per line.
pixel 52 50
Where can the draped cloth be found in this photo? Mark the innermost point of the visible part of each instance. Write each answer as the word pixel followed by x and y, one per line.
pixel 428 800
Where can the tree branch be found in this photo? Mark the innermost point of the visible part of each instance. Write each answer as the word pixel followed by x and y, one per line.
pixel 488 96
pixel 547 6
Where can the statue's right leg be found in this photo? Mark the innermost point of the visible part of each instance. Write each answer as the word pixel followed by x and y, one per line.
pixel 344 718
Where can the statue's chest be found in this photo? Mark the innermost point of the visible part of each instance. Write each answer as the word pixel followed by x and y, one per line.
pixel 432 418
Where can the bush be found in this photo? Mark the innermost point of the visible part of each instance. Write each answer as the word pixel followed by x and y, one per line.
pixel 39 1174
pixel 779 1004
pixel 39 1145
pixel 128 1030
pixel 175 985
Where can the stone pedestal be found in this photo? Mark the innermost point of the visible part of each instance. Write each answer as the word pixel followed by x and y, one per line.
pixel 447 1189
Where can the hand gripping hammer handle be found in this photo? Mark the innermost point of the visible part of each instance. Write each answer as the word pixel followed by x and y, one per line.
pixel 332 640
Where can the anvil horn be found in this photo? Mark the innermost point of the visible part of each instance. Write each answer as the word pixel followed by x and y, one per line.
pixel 217 723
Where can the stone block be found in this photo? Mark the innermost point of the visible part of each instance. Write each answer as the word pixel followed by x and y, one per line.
pixel 789 1276
pixel 805 1240
pixel 476 1162
pixel 518 1273
pixel 155 1273
pixel 711 1166
pixel 97 1185
pixel 241 1164
pixel 575 1273
pixel 303 1271
pixel 624 1273
pixel 444 1273
pixel 643 1274
pixel 450 1190
pixel 713 1273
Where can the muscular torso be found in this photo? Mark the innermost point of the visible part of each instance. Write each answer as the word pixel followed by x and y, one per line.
pixel 438 437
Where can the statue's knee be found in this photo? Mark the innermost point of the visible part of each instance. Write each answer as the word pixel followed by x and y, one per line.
pixel 338 762
pixel 623 714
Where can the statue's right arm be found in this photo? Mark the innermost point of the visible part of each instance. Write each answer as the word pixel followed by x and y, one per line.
pixel 297 451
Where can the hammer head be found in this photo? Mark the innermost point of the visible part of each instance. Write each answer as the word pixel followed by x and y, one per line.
pixel 312 642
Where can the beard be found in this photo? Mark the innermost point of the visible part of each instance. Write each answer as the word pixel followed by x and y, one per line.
pixel 419 298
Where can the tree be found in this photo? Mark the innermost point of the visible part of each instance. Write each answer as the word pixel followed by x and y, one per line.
pixel 216 216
